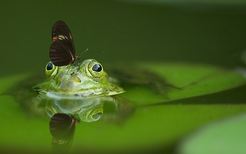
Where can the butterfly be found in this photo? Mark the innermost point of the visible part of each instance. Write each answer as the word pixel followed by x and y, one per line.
pixel 62 50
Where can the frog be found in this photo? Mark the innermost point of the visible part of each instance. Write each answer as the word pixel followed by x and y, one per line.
pixel 79 90
pixel 74 86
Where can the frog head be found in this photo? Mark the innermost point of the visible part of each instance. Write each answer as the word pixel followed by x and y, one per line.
pixel 86 78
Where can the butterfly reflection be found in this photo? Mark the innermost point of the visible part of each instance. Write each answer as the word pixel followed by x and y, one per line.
pixel 62 127
pixel 65 114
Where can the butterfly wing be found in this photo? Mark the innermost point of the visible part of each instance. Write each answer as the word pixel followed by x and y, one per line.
pixel 62 49
pixel 61 53
pixel 60 31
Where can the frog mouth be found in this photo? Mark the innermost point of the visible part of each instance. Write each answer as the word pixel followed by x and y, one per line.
pixel 73 96
pixel 83 93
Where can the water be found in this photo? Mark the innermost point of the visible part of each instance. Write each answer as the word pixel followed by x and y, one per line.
pixel 199 45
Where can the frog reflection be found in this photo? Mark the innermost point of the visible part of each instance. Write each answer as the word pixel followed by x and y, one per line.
pixel 87 110
pixel 65 114
pixel 84 109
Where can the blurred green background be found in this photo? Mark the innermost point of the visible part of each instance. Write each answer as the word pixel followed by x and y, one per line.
pixel 192 31
pixel 161 30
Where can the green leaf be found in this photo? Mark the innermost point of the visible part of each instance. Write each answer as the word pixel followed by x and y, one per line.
pixel 193 80
pixel 227 137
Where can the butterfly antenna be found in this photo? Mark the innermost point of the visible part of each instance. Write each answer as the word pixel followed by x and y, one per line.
pixel 81 53
pixel 78 57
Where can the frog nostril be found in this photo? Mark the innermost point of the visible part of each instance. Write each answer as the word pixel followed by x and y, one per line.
pixel 76 78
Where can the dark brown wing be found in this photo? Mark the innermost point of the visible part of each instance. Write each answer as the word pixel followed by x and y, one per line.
pixel 62 49
pixel 61 53
pixel 60 31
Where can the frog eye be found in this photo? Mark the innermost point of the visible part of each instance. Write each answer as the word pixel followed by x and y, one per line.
pixel 96 69
pixel 50 69
pixel 49 66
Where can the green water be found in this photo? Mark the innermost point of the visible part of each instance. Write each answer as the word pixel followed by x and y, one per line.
pixel 199 44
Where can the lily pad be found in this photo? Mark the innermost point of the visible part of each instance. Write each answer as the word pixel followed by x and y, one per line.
pixel 190 80
pixel 227 136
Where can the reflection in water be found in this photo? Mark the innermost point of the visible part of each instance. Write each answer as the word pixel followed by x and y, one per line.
pixel 83 109
pixel 86 110
pixel 66 113
pixel 62 127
